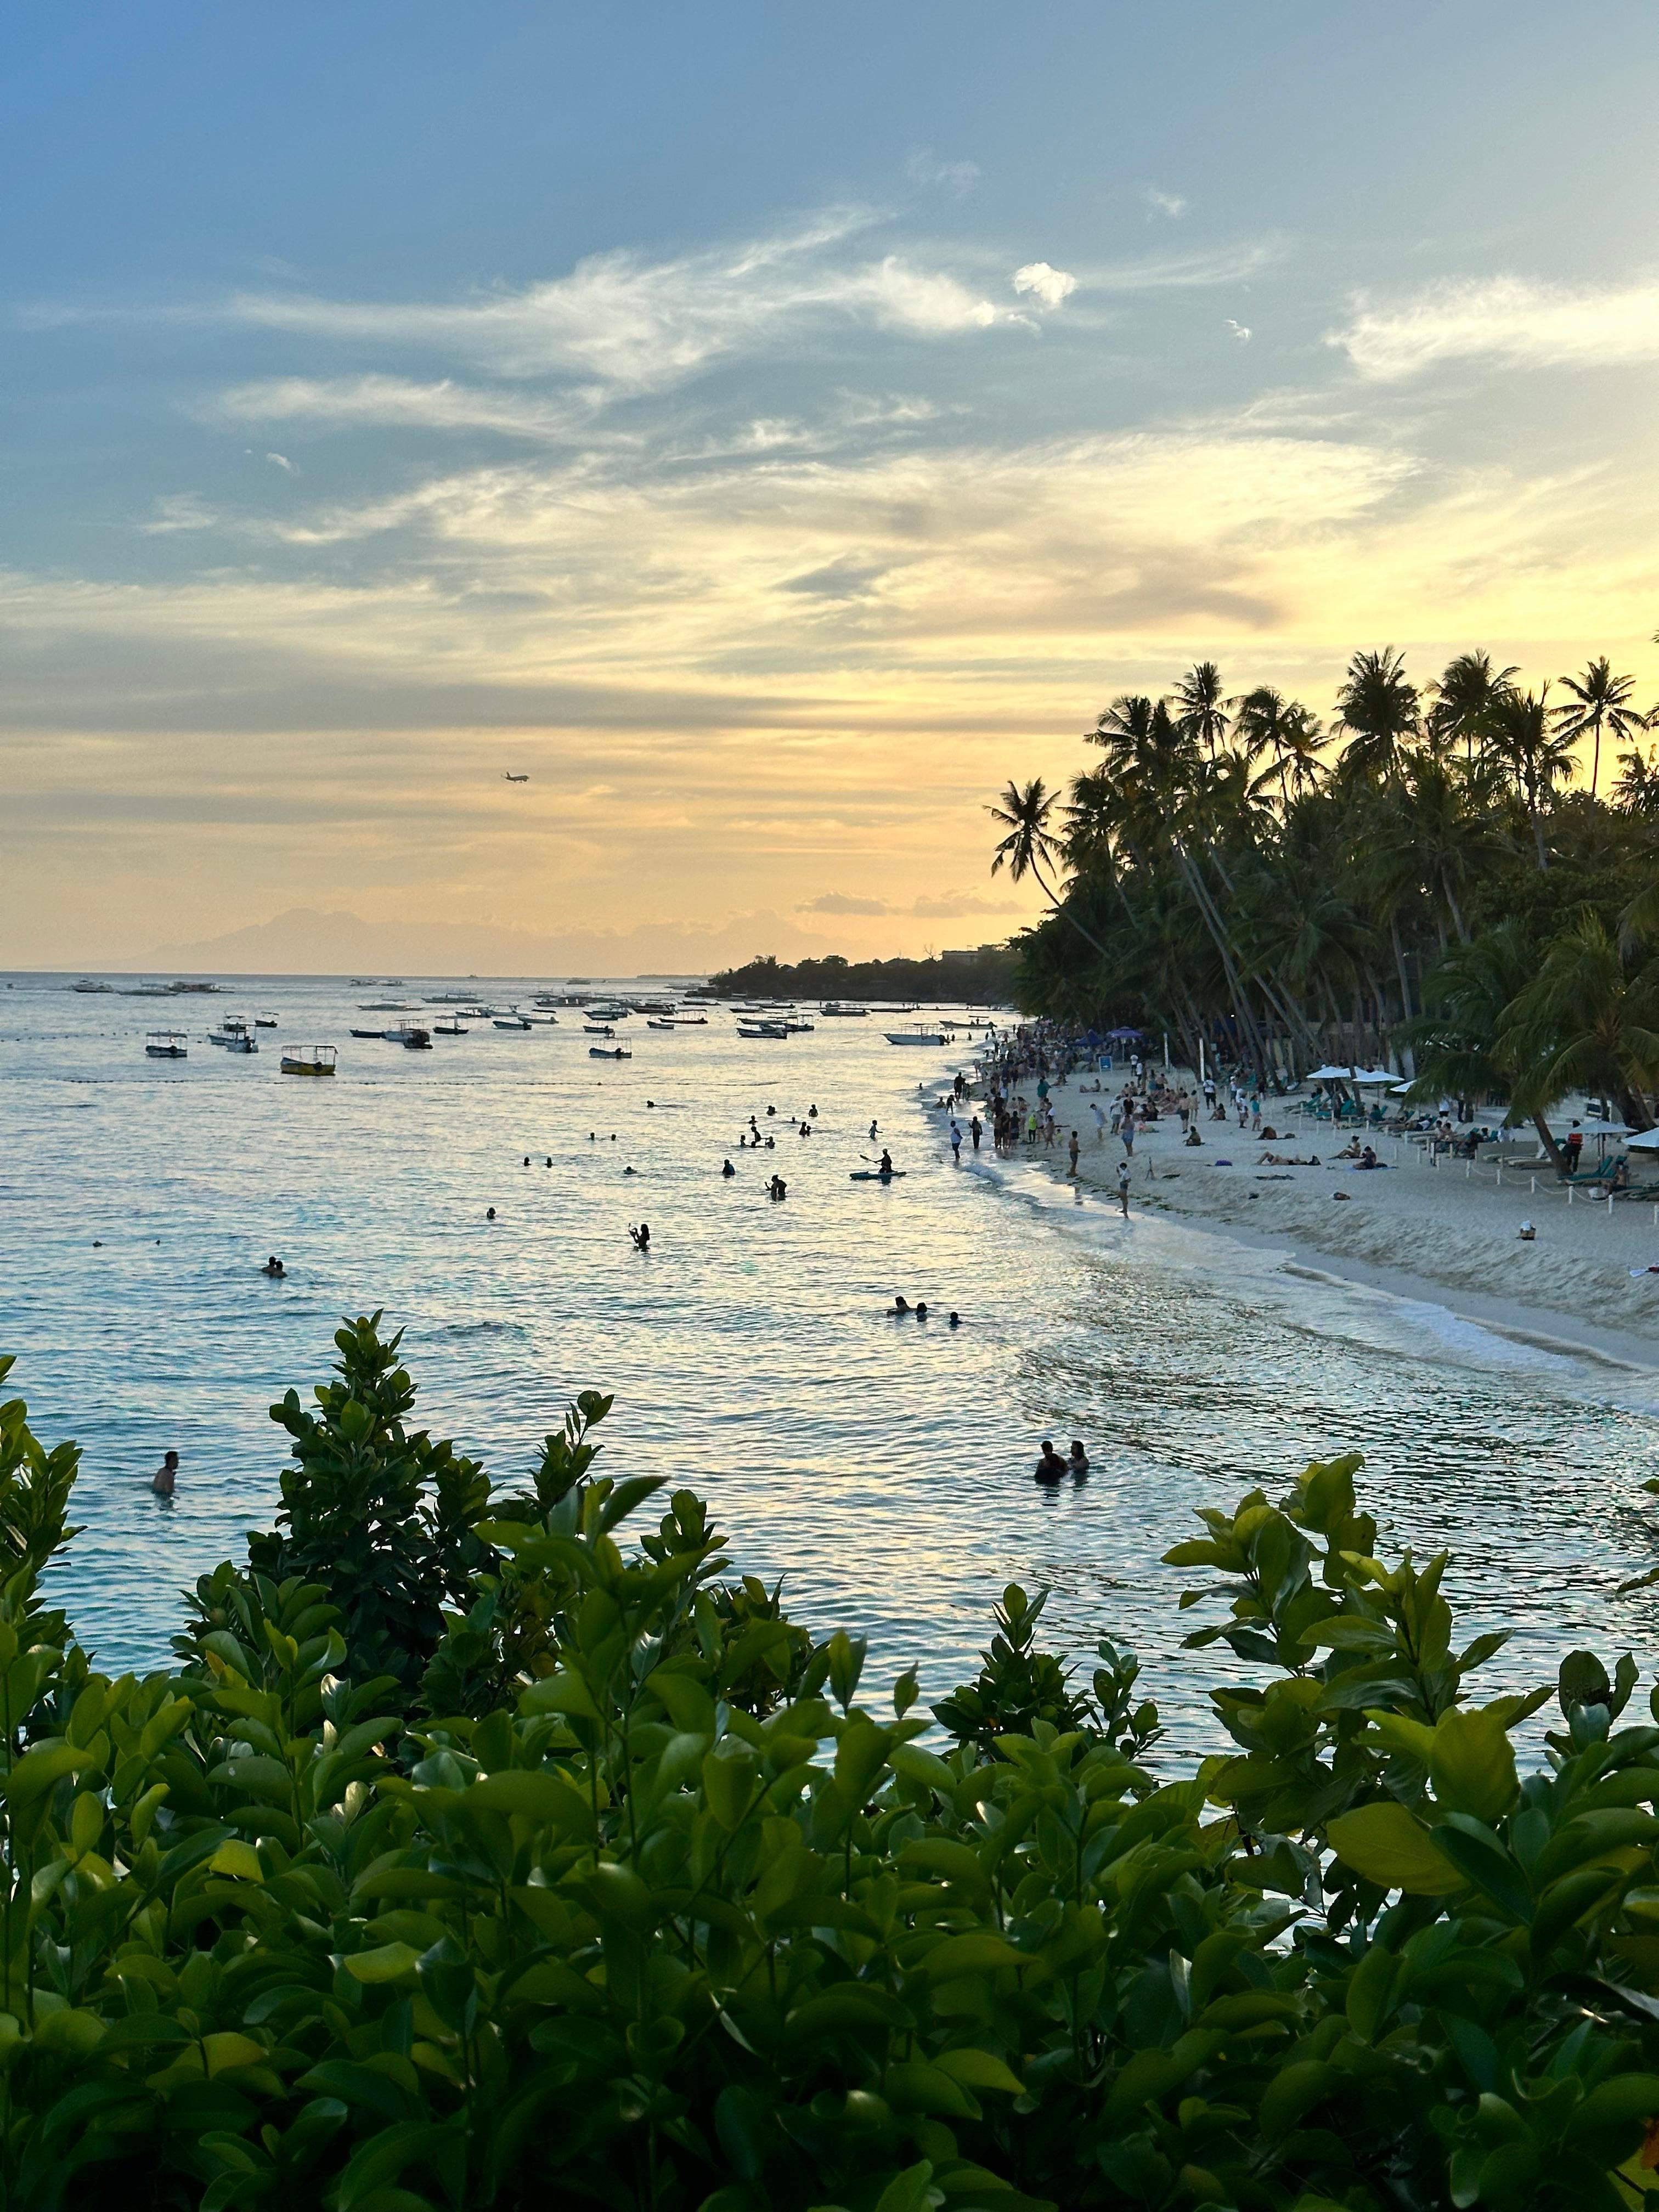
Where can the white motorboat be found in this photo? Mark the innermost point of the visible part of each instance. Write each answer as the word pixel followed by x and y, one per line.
pixel 920 1035
pixel 167 1044
pixel 234 1033
pixel 833 1010
pixel 763 1030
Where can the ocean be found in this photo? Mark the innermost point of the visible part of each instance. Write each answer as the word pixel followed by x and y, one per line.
pixel 881 1467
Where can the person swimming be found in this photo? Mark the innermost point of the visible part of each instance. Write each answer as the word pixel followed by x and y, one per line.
pixel 771 1109
pixel 490 1213
pixel 274 1269
pixel 628 1170
pixel 777 1187
pixel 921 1309
pixel 165 1480
pixel 1077 1459
pixel 1050 1467
pixel 955 1321
pixel 900 1305
pixel 812 1113
pixel 526 1159
pixel 641 1236
pixel 727 1169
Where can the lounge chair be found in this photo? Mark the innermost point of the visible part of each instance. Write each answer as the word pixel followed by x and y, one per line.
pixel 1596 1178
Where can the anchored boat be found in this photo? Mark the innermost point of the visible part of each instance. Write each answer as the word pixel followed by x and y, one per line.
pixel 167 1044
pixel 309 1060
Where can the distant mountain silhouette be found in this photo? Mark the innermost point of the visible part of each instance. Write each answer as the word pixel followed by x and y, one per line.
pixel 311 941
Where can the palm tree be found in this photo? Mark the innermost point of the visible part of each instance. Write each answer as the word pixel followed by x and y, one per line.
pixel 1459 1041
pixel 1030 847
pixel 1518 729
pixel 1200 710
pixel 1637 791
pixel 1377 706
pixel 1267 722
pixel 1599 698
pixel 1586 1022
pixel 1464 697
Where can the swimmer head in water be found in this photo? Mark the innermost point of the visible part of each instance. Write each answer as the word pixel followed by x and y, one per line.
pixel 727 1169
pixel 901 1304
pixel 490 1213
pixel 955 1321
pixel 921 1309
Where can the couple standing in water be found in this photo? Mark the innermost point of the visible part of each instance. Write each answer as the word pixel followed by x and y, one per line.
pixel 1051 1468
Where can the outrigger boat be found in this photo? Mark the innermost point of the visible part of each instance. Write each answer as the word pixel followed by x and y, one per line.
pixel 609 1052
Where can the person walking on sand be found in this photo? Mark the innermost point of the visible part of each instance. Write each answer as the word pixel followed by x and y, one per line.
pixel 1096 1108
pixel 1123 1186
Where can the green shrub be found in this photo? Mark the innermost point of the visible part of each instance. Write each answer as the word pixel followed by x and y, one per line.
pixel 582 1876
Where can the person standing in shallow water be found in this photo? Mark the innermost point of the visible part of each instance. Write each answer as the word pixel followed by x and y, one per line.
pixel 1072 1149
pixel 165 1480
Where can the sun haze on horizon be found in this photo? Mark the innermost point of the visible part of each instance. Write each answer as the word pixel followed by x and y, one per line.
pixel 768 436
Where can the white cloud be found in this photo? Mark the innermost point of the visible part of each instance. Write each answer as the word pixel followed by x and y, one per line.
pixel 1240 331
pixel 958 177
pixel 1164 204
pixel 1519 321
pixel 642 325
pixel 1053 287
pixel 282 462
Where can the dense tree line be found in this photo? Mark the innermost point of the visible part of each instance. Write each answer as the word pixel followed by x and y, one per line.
pixel 980 978
pixel 1422 874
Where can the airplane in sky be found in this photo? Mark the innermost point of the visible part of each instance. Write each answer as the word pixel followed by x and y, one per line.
pixel 511 778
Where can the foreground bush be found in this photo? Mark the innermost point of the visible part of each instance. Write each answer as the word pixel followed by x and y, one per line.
pixel 490 1863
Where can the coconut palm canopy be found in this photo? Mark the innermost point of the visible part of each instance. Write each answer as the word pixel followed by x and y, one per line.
pixel 1418 874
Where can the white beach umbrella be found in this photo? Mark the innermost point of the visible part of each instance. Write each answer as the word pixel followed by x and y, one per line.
pixel 1646 1141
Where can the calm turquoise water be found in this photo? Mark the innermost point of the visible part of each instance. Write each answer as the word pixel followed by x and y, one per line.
pixel 882 1467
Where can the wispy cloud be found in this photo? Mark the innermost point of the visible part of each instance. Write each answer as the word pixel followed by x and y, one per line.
pixel 180 511
pixel 1519 321
pixel 642 325
pixel 282 462
pixel 947 906
pixel 1197 271
pixel 1052 287
pixel 1170 204
pixel 957 177
pixel 399 402
pixel 1240 332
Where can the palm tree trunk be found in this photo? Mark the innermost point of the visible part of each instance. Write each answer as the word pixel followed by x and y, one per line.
pixel 1400 963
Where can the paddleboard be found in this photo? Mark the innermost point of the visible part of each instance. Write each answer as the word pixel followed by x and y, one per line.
pixel 875 1174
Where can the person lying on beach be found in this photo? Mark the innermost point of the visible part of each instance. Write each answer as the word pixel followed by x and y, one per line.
pixel 1285 1160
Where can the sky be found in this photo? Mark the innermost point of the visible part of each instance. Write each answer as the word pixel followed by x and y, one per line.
pixel 769 430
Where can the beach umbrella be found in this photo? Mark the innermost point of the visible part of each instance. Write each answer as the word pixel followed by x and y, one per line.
pixel 1646 1140
pixel 1328 1074
pixel 1371 1076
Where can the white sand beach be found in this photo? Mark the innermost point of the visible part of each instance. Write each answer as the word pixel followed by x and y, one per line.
pixel 1450 1232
